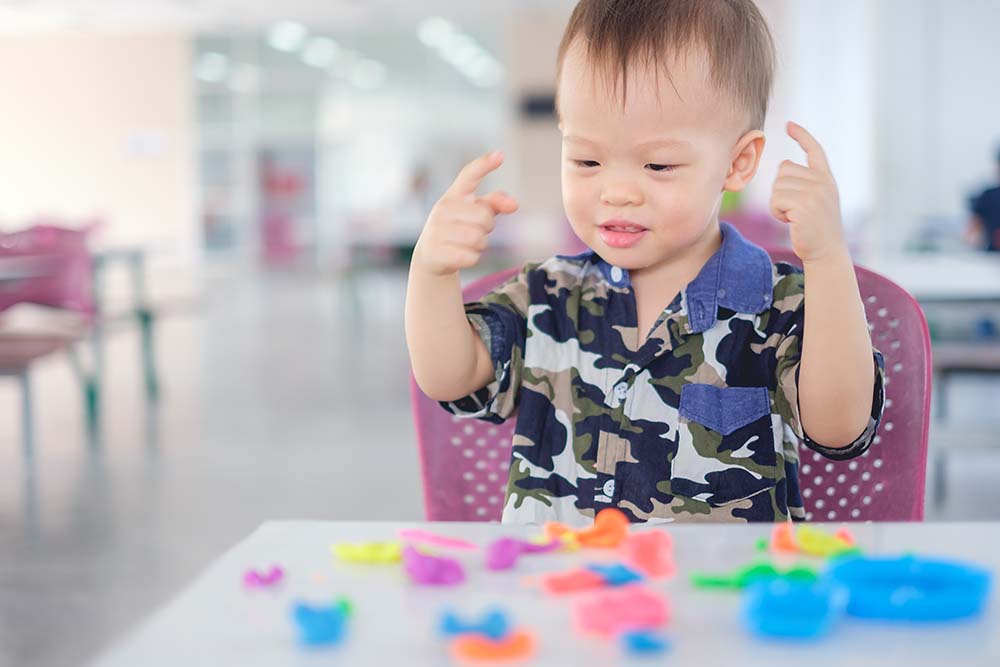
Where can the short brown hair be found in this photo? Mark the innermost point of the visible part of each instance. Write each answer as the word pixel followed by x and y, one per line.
pixel 733 33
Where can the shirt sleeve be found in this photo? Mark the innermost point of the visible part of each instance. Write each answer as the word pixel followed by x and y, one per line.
pixel 501 320
pixel 788 359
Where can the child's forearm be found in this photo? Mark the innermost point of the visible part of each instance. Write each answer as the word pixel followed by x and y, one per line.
pixel 836 369
pixel 448 357
pixel 837 373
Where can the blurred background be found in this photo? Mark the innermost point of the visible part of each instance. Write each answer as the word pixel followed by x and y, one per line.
pixel 206 213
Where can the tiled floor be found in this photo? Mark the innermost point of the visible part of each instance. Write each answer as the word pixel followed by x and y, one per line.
pixel 277 403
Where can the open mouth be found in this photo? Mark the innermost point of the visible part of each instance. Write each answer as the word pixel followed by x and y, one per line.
pixel 623 227
pixel 622 234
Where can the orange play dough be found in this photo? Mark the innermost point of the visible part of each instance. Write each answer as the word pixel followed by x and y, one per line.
pixel 520 644
pixel 783 538
pixel 609 530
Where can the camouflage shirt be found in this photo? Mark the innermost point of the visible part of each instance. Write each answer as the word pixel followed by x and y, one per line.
pixel 698 421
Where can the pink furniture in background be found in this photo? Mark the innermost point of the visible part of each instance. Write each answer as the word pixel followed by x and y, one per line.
pixel 758 226
pixel 886 483
pixel 465 462
pixel 49 266
pixel 57 266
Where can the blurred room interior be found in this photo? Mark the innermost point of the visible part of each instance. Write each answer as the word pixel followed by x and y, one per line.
pixel 228 192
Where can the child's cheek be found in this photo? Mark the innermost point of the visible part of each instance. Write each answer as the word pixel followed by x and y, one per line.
pixel 578 200
pixel 686 197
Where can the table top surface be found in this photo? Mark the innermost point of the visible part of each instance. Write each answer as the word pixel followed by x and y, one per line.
pixel 217 621
pixel 943 277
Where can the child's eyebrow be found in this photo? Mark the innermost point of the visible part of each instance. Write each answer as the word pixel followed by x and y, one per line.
pixel 653 143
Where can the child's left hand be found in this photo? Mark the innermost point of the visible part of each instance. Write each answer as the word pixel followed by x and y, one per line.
pixel 806 198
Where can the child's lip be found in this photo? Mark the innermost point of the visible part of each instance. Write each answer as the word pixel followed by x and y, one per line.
pixel 623 225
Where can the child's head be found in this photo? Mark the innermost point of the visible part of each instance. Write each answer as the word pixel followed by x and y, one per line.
pixel 630 72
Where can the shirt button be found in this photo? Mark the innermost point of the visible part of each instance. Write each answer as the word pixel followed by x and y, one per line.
pixel 722 293
pixel 621 389
pixel 609 488
pixel 616 274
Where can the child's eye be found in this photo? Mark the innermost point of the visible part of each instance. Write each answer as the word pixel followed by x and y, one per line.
pixel 661 167
pixel 586 163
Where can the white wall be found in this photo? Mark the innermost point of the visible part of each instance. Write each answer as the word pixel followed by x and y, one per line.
pixel 823 82
pixel 102 124
pixel 904 95
pixel 370 143
pixel 938 106
pixel 532 48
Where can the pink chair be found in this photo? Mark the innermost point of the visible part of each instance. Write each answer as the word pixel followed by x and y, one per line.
pixel 50 266
pixel 758 226
pixel 464 462
pixel 887 482
pixel 60 268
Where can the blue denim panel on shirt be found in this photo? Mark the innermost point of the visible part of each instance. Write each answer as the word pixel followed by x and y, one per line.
pixel 724 409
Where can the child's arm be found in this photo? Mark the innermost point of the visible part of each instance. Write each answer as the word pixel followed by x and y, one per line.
pixel 448 357
pixel 837 368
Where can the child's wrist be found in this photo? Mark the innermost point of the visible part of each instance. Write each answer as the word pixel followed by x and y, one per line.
pixel 836 255
pixel 420 265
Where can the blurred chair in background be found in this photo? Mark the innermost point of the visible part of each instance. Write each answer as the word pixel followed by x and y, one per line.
pixel 51 286
pixel 46 305
pixel 759 227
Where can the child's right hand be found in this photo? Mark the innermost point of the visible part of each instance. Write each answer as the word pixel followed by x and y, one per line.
pixel 454 236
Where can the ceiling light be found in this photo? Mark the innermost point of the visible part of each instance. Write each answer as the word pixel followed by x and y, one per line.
pixel 287 36
pixel 435 30
pixel 320 52
pixel 212 67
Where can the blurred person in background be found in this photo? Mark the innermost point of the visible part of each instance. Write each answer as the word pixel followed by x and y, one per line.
pixel 983 230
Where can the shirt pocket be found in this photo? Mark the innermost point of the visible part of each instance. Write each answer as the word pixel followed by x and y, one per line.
pixel 725 450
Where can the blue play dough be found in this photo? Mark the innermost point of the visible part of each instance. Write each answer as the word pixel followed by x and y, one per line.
pixel 911 588
pixel 320 625
pixel 616 574
pixel 644 643
pixel 899 588
pixel 778 607
pixel 494 624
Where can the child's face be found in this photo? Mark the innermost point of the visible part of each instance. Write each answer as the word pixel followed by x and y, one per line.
pixel 612 170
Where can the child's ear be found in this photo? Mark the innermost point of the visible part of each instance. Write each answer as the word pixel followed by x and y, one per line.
pixel 746 158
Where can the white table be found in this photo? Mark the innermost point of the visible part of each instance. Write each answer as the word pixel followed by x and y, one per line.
pixel 972 277
pixel 216 621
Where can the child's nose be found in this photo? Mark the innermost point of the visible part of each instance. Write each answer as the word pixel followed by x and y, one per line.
pixel 621 194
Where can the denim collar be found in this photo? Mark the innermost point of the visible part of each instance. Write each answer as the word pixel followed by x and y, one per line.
pixel 737 277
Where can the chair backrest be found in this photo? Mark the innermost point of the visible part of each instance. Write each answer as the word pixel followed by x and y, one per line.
pixel 465 461
pixel 887 482
pixel 61 268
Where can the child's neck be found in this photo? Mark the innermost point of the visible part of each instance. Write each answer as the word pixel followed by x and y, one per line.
pixel 656 286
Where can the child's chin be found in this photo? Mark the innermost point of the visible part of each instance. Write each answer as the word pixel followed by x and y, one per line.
pixel 629 259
